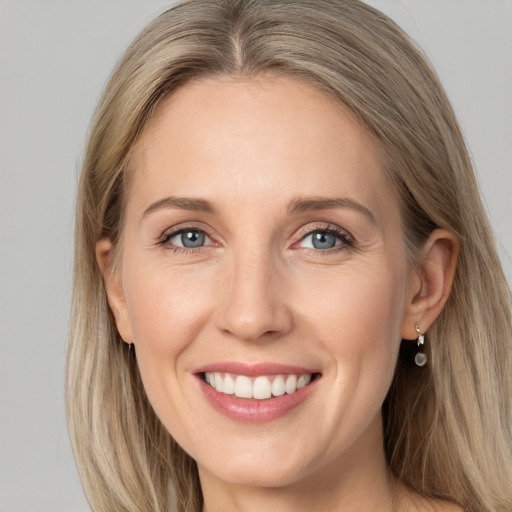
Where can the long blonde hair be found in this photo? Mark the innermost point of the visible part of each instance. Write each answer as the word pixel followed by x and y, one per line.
pixel 447 426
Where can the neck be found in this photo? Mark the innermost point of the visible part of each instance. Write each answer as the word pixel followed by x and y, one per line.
pixel 357 480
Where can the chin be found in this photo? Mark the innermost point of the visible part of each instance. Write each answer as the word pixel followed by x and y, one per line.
pixel 249 469
pixel 258 476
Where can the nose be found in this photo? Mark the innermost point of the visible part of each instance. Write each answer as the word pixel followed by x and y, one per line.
pixel 253 303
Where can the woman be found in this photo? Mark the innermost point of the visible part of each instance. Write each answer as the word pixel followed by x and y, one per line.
pixel 276 205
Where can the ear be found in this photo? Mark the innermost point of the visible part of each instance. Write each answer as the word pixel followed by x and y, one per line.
pixel 430 286
pixel 114 288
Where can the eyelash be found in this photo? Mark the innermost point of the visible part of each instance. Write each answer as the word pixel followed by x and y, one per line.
pixel 347 240
pixel 164 239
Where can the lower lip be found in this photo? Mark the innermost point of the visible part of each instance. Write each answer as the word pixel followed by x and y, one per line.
pixel 252 410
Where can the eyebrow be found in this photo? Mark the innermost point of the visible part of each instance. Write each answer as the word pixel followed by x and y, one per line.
pixel 182 203
pixel 303 204
pixel 297 205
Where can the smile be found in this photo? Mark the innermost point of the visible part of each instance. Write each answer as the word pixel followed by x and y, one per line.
pixel 260 387
pixel 256 393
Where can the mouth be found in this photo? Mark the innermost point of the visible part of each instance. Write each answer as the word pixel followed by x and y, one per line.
pixel 256 393
pixel 259 387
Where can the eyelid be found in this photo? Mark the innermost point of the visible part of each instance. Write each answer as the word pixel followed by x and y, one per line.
pixel 176 234
pixel 342 234
pixel 180 228
pixel 347 240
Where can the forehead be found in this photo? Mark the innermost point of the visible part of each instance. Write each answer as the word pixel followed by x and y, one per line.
pixel 266 137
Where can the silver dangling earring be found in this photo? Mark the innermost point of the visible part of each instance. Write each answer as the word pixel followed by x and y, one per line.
pixel 420 358
pixel 131 349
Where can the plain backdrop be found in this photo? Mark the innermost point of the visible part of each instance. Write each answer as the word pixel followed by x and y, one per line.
pixel 55 56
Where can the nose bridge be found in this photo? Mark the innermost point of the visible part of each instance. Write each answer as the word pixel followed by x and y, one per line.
pixel 253 304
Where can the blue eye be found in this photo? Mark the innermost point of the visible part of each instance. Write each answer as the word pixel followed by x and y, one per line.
pixel 324 239
pixel 187 238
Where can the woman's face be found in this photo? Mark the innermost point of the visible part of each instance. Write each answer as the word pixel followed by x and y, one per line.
pixel 263 246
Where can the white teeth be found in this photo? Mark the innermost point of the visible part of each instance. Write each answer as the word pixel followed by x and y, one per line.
pixel 291 384
pixel 278 386
pixel 228 387
pixel 243 387
pixel 218 382
pixel 303 380
pixel 260 388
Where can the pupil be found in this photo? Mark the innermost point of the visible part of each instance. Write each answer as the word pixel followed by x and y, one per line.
pixel 323 240
pixel 192 239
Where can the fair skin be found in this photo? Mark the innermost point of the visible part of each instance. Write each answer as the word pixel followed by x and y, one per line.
pixel 295 257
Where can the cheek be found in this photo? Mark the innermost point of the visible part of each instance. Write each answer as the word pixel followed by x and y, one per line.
pixel 358 318
pixel 365 304
pixel 356 322
pixel 167 309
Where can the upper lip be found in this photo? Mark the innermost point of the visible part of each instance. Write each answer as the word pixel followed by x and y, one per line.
pixel 253 370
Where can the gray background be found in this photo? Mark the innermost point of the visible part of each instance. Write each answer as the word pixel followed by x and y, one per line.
pixel 55 56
